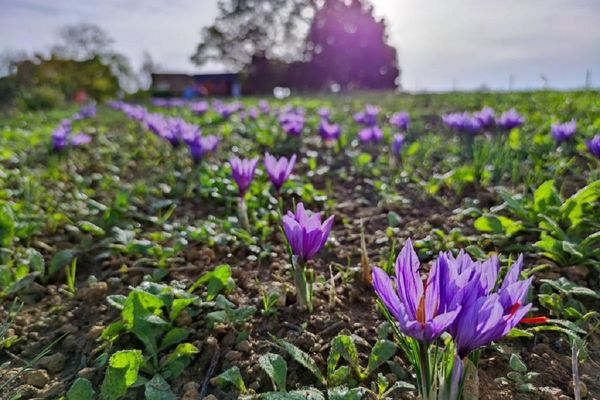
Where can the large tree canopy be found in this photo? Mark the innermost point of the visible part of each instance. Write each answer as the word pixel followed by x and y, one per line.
pixel 246 27
pixel 304 44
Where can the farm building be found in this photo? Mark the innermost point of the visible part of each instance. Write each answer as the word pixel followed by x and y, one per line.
pixel 199 85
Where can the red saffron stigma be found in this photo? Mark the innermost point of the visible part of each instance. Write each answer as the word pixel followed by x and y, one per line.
pixel 535 320
pixel 514 308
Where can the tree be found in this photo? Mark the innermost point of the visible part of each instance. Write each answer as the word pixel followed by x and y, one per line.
pixel 82 42
pixel 346 45
pixel 275 28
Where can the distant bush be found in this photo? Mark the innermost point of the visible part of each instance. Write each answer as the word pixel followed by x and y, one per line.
pixel 40 98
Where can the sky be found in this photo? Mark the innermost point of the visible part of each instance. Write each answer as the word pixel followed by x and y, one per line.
pixel 442 44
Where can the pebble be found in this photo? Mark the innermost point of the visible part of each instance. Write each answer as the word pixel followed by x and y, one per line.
pixel 190 391
pixel 233 355
pixel 87 373
pixel 210 397
pixel 94 332
pixel 95 292
pixel 36 378
pixel 549 393
pixel 576 273
pixel 244 346
pixel 583 390
pixel 53 363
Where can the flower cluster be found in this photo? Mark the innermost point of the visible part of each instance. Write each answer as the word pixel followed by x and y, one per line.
pixel 292 123
pixel 61 136
pixel 564 132
pixel 593 146
pixel 458 297
pixel 400 120
pixel 509 120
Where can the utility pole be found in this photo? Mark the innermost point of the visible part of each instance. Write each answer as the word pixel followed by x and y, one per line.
pixel 511 82
pixel 588 79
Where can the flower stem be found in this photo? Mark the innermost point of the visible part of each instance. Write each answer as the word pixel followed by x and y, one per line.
pixel 424 360
pixel 243 214
pixel 303 292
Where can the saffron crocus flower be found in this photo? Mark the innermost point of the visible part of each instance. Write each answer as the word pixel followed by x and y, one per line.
pixel 202 145
pixel 328 131
pixel 397 144
pixel 306 235
pixel 199 108
pixel 485 117
pixel 400 120
pixel 491 317
pixel 564 132
pixel 88 111
pixel 80 139
pixel 279 170
pixel 243 171
pixel 368 117
pixel 420 308
pixel 370 135
pixel 60 137
pixel 510 119
pixel 324 113
pixel 305 232
pixel 264 107
pixel 593 146
pixel 462 122
pixel 292 123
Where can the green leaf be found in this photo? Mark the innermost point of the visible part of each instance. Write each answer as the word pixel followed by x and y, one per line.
pixel 81 389
pixel 59 261
pixel 117 300
pixel 515 332
pixel 182 350
pixel 35 260
pixel 574 208
pixel 381 352
pixel 7 226
pixel 394 219
pixel 141 316
pixel 303 394
pixel 174 336
pixel 344 393
pixel 87 226
pixel 217 281
pixel 122 372
pixel 363 159
pixel 276 368
pixel 179 305
pixel 301 358
pixel 158 389
pixel 516 364
pixel 231 377
pixel 544 196
pixel 112 331
pixel 345 347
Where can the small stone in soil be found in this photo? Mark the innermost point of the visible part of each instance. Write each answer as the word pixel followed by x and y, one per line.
pixel 36 378
pixel 53 363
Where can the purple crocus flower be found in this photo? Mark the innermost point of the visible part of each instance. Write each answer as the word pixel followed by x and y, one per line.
pixel 279 170
pixel 510 119
pixel 370 135
pixel 202 145
pixel 594 146
pixel 397 144
pixel 420 308
pixel 462 122
pixel 564 132
pixel 242 171
pixel 485 117
pixel 328 131
pixel 368 117
pixel 292 123
pixel 305 232
pixel 491 317
pixel 324 113
pixel 88 111
pixel 80 139
pixel 60 137
pixel 199 108
pixel 264 107
pixel 253 113
pixel 400 120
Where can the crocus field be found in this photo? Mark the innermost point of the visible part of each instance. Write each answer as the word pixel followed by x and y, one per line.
pixel 375 246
